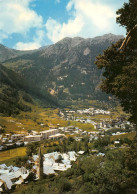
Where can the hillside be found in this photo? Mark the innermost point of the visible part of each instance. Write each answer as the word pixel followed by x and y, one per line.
pixel 8 53
pixel 66 69
pixel 15 90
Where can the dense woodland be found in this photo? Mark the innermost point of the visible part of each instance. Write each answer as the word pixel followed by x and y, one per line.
pixel 15 91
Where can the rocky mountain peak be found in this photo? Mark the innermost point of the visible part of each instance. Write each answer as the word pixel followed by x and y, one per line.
pixel 67 67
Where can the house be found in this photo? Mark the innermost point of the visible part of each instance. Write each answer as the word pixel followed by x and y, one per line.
pixel 7 135
pixel 5 178
pixel 57 136
pixel 60 167
pixel 16 137
pixel 31 138
pixel 101 154
pixel 116 142
pixel 48 170
pixel 97 126
pixel 81 152
pixel 19 143
pixel 47 133
pixel 4 140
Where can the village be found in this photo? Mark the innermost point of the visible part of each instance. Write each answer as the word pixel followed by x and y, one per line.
pixel 9 141
pixel 48 164
pixel 54 162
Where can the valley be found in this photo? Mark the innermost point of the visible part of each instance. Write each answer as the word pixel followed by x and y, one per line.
pixel 56 123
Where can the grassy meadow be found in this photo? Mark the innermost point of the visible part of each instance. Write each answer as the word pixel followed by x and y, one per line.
pixel 122 136
pixel 12 153
pixel 32 121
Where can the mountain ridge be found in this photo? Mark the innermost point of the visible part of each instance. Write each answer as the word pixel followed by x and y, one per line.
pixel 66 69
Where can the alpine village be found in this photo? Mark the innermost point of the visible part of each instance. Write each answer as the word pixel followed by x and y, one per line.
pixel 68 114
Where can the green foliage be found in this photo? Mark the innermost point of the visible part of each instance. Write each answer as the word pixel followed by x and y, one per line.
pixel 31 177
pixel 114 130
pixel 2 130
pixel 10 102
pixel 59 159
pixel 32 148
pixel 127 15
pixel 115 173
pixel 13 87
pixel 101 142
pixel 120 69
pixel 63 185
pixel 27 97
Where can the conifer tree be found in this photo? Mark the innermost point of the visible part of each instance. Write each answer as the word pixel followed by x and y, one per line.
pixel 119 62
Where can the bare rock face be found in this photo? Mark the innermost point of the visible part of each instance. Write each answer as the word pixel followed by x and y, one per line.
pixel 67 67
pixel 86 51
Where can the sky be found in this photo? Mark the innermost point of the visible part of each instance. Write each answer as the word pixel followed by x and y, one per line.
pixel 31 24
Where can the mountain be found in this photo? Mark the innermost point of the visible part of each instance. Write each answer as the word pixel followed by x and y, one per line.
pixel 8 53
pixel 16 93
pixel 66 69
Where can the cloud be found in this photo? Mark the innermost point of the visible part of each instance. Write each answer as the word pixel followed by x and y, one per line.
pixel 87 18
pixel 36 43
pixel 57 31
pixel 27 46
pixel 57 1
pixel 16 16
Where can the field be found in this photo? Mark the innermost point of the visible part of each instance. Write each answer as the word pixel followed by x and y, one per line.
pixel 38 119
pixel 127 135
pixel 6 155
pixel 30 120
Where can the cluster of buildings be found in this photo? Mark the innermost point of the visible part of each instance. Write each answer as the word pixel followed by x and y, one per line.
pixel 79 133
pixel 48 134
pixel 100 125
pixel 53 162
pixel 12 175
pixel 10 141
pixel 93 111
pixel 46 164
pixel 112 124
pixel 89 111
pixel 72 130
pixel 70 114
